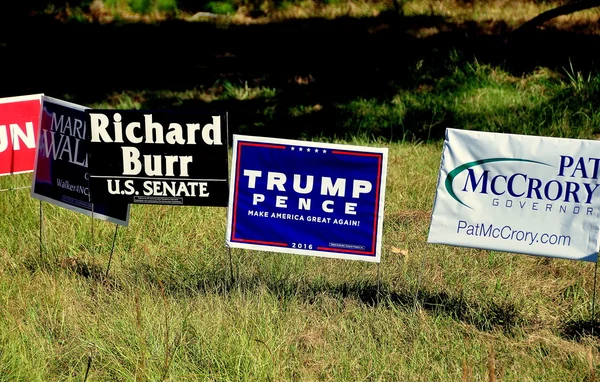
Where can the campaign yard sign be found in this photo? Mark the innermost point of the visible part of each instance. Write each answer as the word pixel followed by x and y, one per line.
pixel 307 198
pixel 517 193
pixel 159 157
pixel 61 173
pixel 19 118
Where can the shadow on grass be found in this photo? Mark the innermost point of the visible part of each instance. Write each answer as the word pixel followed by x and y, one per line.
pixel 308 62
pixel 82 268
pixel 484 315
pixel 77 265
pixel 577 329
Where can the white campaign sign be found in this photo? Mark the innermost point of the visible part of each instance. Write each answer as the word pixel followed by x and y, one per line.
pixel 518 193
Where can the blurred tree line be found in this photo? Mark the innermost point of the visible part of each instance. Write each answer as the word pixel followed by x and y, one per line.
pixel 15 12
pixel 26 7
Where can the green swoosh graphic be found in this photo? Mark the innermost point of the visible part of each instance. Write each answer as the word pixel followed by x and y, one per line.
pixel 454 173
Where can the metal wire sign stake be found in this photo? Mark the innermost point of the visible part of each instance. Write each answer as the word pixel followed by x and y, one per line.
pixel 112 250
pixel 594 298
pixel 230 265
pixel 41 228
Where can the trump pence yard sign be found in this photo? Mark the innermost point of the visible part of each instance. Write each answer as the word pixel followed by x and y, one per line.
pixel 517 193
pixel 307 198
pixel 158 157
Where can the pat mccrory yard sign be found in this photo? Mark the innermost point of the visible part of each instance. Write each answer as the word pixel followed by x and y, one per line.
pixel 518 193
pixel 61 173
pixel 159 157
pixel 307 198
pixel 19 118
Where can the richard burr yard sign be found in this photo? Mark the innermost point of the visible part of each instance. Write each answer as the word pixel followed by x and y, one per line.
pixel 307 198
pixel 158 157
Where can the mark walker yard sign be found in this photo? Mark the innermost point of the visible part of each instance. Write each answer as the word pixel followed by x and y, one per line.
pixel 307 198
pixel 61 174
pixel 518 193
pixel 158 157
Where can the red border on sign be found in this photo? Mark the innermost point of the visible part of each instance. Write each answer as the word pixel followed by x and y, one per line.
pixel 336 152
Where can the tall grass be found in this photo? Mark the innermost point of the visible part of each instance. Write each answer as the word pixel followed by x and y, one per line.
pixel 168 309
pixel 460 93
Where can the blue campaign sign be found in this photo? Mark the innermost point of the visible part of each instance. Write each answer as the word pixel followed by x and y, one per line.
pixel 307 198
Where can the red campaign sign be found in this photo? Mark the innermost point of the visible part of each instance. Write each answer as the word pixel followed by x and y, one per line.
pixel 19 120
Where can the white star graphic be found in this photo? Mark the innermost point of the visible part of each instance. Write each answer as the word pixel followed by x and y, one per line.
pixel 316 150
pixel 293 148
pixel 300 149
pixel 324 151
pixel 308 149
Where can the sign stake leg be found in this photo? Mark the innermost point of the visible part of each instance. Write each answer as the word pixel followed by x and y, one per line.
pixel 230 265
pixel 87 369
pixel 112 250
pixel 92 231
pixel 594 298
pixel 378 281
pixel 41 228
pixel 419 284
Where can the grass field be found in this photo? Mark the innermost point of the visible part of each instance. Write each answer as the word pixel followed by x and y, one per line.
pixel 169 309
pixel 175 305
pixel 441 92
